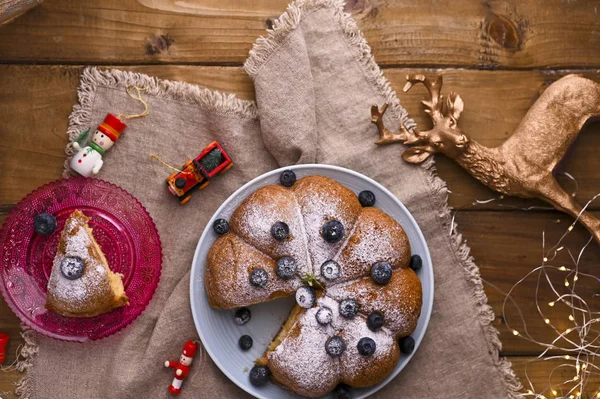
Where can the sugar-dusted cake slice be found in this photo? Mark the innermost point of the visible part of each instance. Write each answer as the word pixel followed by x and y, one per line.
pixel 81 283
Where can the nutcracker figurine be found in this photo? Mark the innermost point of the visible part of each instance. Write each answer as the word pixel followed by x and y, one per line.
pixel 182 368
pixel 88 159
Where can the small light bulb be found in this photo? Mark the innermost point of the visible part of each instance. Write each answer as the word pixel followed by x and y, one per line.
pixel 562 269
pixel 577 367
pixel 529 391
pixel 575 378
pixel 575 278
pixel 571 317
pixel 554 392
pixel 570 228
pixel 566 283
pixel 545 259
pixel 584 366
pixel 550 304
pixel 547 321
pixel 567 357
pixel 515 332
pixel 598 395
pixel 568 330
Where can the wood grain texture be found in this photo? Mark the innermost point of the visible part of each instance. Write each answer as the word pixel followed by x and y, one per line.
pixel 551 374
pixel 506 243
pixel 506 246
pixel 11 9
pixel 491 235
pixel 488 34
pixel 495 103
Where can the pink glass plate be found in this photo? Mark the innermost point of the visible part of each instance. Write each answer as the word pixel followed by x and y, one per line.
pixel 125 232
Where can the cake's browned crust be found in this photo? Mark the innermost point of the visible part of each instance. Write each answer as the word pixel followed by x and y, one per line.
pixel 377 237
pixel 322 199
pixel 296 356
pixel 400 300
pixel 254 217
pixel 227 276
pixel 357 370
pixel 99 290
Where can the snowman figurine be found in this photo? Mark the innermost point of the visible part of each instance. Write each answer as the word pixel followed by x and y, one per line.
pixel 88 160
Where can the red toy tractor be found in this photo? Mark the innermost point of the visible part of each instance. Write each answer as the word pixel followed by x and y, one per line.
pixel 198 172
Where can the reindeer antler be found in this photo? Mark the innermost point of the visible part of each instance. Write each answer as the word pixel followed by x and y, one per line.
pixel 387 137
pixel 434 106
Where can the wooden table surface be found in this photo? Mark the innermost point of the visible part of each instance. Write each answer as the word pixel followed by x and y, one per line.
pixel 499 55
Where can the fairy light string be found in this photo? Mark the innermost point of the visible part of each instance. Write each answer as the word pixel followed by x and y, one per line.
pixel 579 336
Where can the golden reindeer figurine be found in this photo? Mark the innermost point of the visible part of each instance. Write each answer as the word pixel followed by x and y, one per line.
pixel 524 164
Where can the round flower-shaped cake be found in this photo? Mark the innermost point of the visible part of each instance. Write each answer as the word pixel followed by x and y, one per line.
pixel 347 264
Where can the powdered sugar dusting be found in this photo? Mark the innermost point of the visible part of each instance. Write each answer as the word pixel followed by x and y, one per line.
pixel 253 219
pixel 322 199
pixel 376 238
pixel 354 365
pixel 300 361
pixel 399 301
pixel 301 357
pixel 76 294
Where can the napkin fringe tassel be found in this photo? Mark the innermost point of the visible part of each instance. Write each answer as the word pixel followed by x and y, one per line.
pixel 24 362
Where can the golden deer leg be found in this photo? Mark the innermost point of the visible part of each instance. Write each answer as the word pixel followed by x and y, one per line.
pixel 555 195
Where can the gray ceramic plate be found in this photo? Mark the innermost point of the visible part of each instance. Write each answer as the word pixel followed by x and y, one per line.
pixel 217 328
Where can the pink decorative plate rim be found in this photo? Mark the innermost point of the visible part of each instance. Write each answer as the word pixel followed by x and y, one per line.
pixel 125 225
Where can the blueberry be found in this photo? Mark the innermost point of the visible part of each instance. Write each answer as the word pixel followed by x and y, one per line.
pixel 407 345
pixel 330 270
pixel 286 267
pixel 324 316
pixel 416 262
pixel 342 391
pixel 44 224
pixel 306 297
pixel 335 346
pixel 259 277
pixel 287 178
pixel 280 231
pixel 72 267
pixel 221 226
pixel 366 346
pixel 366 198
pixel 245 342
pixel 375 321
pixel 381 272
pixel 242 316
pixel 348 308
pixel 259 375
pixel 332 231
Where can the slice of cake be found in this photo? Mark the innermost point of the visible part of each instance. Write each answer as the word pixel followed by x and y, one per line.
pixel 81 283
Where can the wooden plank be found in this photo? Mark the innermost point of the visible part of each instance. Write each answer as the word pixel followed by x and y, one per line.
pixel 508 245
pixel 495 103
pixel 490 34
pixel 551 374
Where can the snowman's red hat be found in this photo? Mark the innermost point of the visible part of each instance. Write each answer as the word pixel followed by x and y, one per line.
pixel 190 349
pixel 112 127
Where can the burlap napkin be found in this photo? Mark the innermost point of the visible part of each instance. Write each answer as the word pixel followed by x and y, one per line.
pixel 315 81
